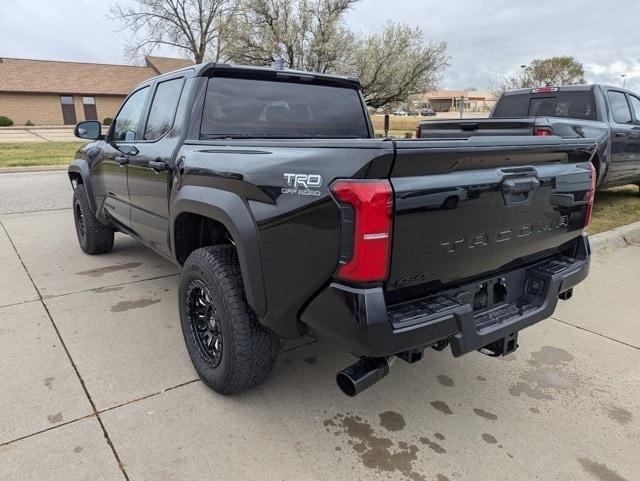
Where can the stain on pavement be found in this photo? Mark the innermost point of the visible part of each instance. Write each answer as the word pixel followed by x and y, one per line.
pixel 445 380
pixel 392 421
pixel 549 371
pixel 55 418
pixel 100 271
pixel 527 390
pixel 441 406
pixel 551 356
pixel 101 290
pixel 433 445
pixel 128 305
pixel 376 452
pixel 485 414
pixel 488 438
pixel 600 470
pixel 619 414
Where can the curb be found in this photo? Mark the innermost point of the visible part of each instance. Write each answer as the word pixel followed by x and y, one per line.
pixel 33 168
pixel 618 238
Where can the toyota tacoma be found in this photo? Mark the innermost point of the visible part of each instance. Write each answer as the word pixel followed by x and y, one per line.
pixel 288 218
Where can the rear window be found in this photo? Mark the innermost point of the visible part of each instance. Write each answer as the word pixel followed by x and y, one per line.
pixel 573 105
pixel 236 107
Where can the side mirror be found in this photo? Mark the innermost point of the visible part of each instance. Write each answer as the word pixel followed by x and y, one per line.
pixel 90 130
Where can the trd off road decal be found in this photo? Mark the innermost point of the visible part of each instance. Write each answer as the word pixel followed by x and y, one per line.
pixel 302 184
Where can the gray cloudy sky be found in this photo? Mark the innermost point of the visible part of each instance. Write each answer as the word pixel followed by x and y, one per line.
pixel 486 39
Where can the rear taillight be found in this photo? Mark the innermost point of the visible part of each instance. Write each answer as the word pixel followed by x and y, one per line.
pixel 542 131
pixel 590 196
pixel 367 218
pixel 418 131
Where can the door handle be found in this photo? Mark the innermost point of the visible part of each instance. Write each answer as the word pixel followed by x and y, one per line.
pixel 122 160
pixel 621 134
pixel 158 165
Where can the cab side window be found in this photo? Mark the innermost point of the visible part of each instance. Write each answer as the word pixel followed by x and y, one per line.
pixel 635 105
pixel 163 108
pixel 125 128
pixel 619 107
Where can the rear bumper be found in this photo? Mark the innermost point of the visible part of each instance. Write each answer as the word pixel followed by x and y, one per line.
pixel 362 322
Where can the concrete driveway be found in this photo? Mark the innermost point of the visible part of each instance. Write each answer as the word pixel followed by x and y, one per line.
pixel 95 383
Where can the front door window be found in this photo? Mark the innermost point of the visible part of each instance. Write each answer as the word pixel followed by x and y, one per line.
pixel 126 124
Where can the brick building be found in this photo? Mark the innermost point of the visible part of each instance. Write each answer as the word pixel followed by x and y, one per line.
pixel 449 100
pixel 48 92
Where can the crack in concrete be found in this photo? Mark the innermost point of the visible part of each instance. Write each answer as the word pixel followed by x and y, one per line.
pixel 596 333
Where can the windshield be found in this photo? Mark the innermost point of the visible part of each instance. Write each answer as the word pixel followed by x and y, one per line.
pixel 236 107
pixel 568 104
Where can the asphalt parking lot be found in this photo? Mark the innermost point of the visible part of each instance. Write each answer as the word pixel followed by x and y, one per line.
pixel 95 383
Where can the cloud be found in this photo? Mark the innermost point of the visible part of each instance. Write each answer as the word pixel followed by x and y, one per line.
pixel 612 72
pixel 486 40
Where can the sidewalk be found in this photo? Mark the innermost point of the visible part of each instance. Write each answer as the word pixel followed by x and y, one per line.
pixel 36 134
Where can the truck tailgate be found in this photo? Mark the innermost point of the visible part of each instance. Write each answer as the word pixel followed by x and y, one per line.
pixel 475 127
pixel 467 208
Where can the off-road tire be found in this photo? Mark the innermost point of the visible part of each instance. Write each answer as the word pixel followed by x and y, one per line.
pixel 93 236
pixel 249 351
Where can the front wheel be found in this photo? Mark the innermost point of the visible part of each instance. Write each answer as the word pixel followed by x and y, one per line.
pixel 230 350
pixel 93 236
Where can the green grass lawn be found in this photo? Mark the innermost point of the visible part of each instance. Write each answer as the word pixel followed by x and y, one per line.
pixel 613 207
pixel 37 153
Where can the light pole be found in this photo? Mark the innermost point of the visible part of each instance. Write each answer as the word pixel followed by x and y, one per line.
pixel 624 79
pixel 523 70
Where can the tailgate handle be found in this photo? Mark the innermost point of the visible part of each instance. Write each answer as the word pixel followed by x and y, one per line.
pixel 520 186
pixel 519 191
pixel 466 126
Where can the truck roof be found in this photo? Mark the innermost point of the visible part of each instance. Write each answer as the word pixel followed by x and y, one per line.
pixel 563 88
pixel 207 70
pixel 567 88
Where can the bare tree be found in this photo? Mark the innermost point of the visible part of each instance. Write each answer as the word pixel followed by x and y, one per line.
pixel 198 27
pixel 306 34
pixel 396 64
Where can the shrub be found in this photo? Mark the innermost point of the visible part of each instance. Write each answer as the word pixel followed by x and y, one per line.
pixel 28 123
pixel 107 121
pixel 5 121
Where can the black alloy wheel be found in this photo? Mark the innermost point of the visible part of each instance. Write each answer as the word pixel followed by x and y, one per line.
pixel 205 322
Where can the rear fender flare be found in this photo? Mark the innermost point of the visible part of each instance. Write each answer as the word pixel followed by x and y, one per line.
pixel 231 211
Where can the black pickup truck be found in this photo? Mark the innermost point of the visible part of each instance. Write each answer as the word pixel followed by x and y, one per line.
pixel 610 115
pixel 288 219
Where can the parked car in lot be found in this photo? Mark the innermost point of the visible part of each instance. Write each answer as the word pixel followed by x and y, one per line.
pixel 428 112
pixel 400 113
pixel 610 115
pixel 288 218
